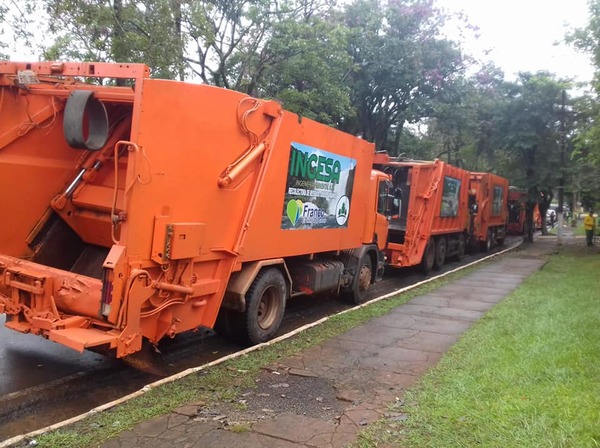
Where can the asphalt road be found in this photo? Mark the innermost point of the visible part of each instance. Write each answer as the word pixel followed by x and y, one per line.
pixel 28 361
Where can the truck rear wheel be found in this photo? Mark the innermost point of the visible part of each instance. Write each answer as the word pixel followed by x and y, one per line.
pixel 357 294
pixel 460 249
pixel 489 241
pixel 428 256
pixel 440 252
pixel 265 305
pixel 500 241
pixel 228 324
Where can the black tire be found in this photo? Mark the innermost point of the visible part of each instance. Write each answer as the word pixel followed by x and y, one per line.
pixel 489 241
pixel 428 256
pixel 500 241
pixel 441 247
pixel 361 282
pixel 228 324
pixel 460 250
pixel 265 305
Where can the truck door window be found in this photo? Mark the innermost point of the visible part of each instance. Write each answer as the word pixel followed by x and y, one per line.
pixel 387 203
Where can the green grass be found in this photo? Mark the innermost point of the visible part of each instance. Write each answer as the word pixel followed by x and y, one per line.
pixel 526 375
pixel 223 383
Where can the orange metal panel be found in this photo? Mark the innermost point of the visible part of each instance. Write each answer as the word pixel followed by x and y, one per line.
pixel 437 205
pixel 81 338
pixel 87 69
pixel 194 182
pixel 186 240
pixel 491 193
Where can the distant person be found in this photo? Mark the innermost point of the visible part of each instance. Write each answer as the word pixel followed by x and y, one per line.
pixel 589 224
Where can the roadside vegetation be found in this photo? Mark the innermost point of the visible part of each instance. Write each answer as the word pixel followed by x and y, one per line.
pixel 526 375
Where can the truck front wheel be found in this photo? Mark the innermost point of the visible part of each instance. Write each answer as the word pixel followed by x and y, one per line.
pixel 460 249
pixel 265 305
pixel 358 292
pixel 489 241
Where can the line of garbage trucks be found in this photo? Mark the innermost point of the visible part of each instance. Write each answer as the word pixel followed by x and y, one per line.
pixel 135 209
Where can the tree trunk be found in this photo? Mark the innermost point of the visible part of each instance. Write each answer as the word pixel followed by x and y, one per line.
pixel 118 37
pixel 544 201
pixel 532 195
pixel 176 8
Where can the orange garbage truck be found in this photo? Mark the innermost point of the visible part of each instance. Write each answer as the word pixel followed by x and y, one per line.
pixel 138 208
pixel 516 211
pixel 517 199
pixel 430 218
pixel 488 198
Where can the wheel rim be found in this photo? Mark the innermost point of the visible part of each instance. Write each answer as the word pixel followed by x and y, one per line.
pixel 267 308
pixel 364 278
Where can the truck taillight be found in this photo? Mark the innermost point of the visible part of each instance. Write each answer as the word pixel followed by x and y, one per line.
pixel 107 291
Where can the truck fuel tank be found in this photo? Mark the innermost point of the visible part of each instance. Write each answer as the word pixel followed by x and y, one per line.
pixel 309 277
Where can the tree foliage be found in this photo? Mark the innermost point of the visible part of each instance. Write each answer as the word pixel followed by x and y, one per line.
pixel 380 69
pixel 528 131
pixel 401 66
pixel 586 154
pixel 147 31
pixel 462 130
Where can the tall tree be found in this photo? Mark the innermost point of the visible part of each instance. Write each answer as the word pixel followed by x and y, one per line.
pixel 16 24
pixel 527 132
pixel 401 63
pixel 232 41
pixel 585 153
pixel 147 31
pixel 309 81
pixel 462 130
pixel 587 109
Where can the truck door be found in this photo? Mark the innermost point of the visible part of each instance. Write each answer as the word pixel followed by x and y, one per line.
pixel 385 209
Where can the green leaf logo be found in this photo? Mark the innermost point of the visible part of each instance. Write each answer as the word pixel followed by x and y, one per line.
pixel 293 209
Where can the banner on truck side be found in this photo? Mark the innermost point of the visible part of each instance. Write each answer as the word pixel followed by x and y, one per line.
pixel 450 197
pixel 497 201
pixel 318 193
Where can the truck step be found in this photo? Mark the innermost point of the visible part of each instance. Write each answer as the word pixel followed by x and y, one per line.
pixel 81 338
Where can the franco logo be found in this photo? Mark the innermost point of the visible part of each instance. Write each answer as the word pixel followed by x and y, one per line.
pixel 293 209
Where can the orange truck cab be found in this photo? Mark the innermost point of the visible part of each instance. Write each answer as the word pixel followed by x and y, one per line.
pixel 430 218
pixel 488 205
pixel 141 210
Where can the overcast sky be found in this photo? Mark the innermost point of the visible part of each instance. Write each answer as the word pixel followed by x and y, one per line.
pixel 522 34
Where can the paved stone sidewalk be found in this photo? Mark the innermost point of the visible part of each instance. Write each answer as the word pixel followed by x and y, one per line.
pixel 325 395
